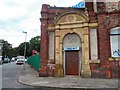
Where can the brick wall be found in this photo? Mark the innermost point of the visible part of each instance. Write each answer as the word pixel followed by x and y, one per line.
pixel 48 15
pixel 44 40
pixel 115 69
pixel 95 72
pixel 106 22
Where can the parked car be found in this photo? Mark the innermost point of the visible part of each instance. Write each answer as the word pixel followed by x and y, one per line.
pixel 1 62
pixel 13 59
pixel 6 60
pixel 20 60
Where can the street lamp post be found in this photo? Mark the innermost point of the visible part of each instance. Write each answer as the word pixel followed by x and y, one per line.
pixel 25 47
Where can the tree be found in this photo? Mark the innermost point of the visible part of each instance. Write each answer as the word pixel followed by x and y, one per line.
pixel 21 48
pixel 6 49
pixel 14 52
pixel 34 44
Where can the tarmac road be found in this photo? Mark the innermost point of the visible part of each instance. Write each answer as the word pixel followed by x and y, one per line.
pixel 10 73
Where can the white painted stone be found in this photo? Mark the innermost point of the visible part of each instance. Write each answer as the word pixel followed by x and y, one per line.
pixel 51 45
pixel 71 40
pixel 93 44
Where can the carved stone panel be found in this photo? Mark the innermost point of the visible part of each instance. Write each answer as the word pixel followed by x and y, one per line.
pixel 71 18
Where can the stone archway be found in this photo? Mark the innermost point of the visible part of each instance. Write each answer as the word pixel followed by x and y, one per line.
pixel 72 54
pixel 66 24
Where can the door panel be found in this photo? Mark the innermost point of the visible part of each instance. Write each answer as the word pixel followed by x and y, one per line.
pixel 72 63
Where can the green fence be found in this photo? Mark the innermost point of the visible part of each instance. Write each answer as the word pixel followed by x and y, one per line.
pixel 34 61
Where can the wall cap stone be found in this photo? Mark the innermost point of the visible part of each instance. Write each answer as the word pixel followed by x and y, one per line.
pixel 114 59
pixel 94 61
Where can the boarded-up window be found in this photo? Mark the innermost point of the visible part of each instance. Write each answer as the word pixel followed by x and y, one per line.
pixel 93 44
pixel 51 45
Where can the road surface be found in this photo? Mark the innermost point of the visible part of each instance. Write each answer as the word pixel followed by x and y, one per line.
pixel 10 73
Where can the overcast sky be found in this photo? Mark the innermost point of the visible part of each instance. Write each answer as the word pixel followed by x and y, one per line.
pixel 23 15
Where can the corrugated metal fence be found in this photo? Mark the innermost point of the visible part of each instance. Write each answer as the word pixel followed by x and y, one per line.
pixel 34 61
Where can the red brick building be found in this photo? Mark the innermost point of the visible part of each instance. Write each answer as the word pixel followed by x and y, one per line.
pixel 81 41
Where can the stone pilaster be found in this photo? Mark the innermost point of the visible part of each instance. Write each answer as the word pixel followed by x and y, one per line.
pixel 85 57
pixel 57 54
pixel 61 61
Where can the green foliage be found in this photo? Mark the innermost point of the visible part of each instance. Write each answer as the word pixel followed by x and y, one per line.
pixel 6 49
pixel 14 52
pixel 33 44
pixel 21 48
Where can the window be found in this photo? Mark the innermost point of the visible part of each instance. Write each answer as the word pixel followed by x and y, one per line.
pixel 51 45
pixel 93 44
pixel 115 41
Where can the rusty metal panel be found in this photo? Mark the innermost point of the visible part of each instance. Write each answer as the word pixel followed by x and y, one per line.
pixel 72 63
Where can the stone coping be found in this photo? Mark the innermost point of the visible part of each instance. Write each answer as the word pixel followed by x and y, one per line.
pixel 94 61
pixel 114 59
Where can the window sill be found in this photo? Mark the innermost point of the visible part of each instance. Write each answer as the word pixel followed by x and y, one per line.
pixel 94 61
pixel 114 59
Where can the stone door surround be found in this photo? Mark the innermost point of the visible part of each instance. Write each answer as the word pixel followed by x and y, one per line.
pixel 72 22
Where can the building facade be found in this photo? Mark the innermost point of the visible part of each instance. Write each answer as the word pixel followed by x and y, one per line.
pixel 80 41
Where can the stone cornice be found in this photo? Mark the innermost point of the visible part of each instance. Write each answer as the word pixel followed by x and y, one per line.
pixel 71 25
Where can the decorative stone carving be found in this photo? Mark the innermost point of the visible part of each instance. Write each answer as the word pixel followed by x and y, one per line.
pixel 71 18
pixel 78 18
pixel 63 20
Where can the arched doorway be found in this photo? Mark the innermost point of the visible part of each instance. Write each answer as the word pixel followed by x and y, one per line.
pixel 68 25
pixel 72 54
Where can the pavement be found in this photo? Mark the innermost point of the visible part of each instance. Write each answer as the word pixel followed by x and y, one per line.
pixel 29 76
